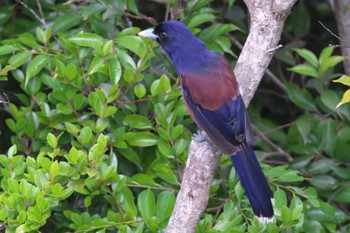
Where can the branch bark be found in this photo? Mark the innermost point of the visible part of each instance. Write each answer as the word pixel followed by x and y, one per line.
pixel 342 14
pixel 266 25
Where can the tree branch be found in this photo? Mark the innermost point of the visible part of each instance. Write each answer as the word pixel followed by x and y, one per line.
pixel 267 20
pixel 342 15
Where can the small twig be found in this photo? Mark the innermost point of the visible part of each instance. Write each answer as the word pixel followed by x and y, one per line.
pixel 272 50
pixel 41 13
pixel 279 127
pixel 33 12
pixel 151 20
pixel 167 12
pixel 335 35
pixel 272 144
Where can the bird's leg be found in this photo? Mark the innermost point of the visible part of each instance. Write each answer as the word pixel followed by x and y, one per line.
pixel 200 136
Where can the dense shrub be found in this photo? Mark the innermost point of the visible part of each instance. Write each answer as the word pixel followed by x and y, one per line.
pixel 96 135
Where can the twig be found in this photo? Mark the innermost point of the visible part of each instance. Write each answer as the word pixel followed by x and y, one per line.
pixel 42 21
pixel 167 12
pixel 41 13
pixel 151 20
pixel 268 141
pixel 335 35
pixel 272 50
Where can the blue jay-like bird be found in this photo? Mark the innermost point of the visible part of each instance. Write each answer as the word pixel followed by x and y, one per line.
pixel 211 93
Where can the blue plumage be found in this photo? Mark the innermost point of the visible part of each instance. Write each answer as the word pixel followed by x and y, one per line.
pixel 210 91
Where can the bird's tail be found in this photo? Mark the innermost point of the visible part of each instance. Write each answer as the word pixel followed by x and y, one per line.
pixel 254 182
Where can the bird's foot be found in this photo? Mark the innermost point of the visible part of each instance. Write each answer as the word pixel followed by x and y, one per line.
pixel 200 136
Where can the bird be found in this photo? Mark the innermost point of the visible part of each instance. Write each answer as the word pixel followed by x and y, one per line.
pixel 212 97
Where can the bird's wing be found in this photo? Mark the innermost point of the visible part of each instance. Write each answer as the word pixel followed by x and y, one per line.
pixel 213 100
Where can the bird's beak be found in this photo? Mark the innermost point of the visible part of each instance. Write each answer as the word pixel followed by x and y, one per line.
pixel 148 34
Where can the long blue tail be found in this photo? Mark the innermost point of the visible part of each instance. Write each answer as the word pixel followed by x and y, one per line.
pixel 253 181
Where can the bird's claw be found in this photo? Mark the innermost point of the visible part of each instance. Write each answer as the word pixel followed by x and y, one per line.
pixel 199 136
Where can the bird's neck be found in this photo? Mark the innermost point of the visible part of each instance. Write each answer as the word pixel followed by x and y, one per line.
pixel 194 59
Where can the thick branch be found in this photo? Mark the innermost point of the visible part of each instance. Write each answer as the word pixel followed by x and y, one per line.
pixel 267 19
pixel 342 15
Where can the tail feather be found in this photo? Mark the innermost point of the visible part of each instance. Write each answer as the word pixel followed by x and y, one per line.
pixel 254 182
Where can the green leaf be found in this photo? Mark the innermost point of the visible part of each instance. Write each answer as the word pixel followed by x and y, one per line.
pixel 324 182
pixel 73 156
pixel 304 125
pixel 42 203
pixel 107 47
pixel 180 146
pixel 301 98
pixel 95 65
pixel 35 66
pixel 290 176
pixel 13 185
pixel 305 69
pixel 137 122
pixel 71 71
pixel 165 173
pixel 33 214
pixel 109 111
pixel 155 87
pixel 133 43
pixel 85 135
pixel 296 207
pixel 66 22
pixel 12 151
pixel 164 83
pixel 165 205
pixel 330 99
pixel 54 170
pixel 71 128
pixel 286 215
pixel 199 19
pixel 321 166
pixel 64 108
pixel 325 54
pixel 40 178
pixel 343 195
pixel 142 179
pixel 19 59
pixel 140 91
pixel 334 60
pixel 129 31
pixel 6 49
pixel 344 80
pixel 51 140
pixel 146 204
pixel 308 56
pixel 280 198
pixel 141 139
pixel 43 35
pixel 87 39
pixel 345 99
pixel 115 70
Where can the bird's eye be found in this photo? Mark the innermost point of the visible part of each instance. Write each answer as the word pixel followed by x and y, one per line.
pixel 163 35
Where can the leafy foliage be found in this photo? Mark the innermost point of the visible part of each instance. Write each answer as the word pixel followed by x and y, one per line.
pixel 96 134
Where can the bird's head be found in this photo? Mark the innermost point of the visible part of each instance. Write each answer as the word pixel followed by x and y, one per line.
pixel 177 41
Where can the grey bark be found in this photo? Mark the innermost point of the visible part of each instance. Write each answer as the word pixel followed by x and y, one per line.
pixel 266 25
pixel 341 9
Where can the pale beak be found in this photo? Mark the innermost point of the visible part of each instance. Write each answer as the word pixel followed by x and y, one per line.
pixel 148 34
